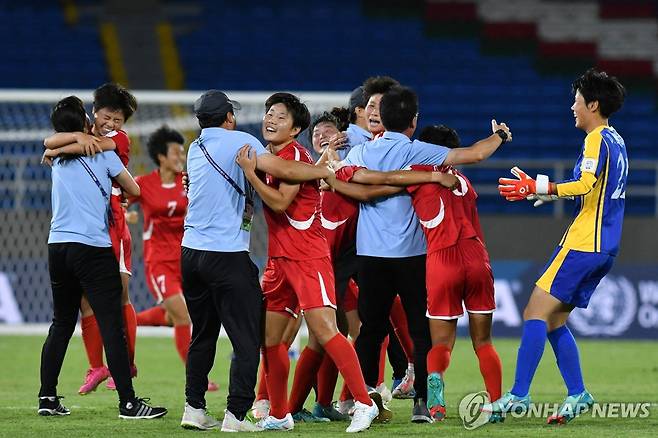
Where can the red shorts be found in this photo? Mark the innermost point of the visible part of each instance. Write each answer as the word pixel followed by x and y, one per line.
pixel 290 285
pixel 350 299
pixel 164 279
pixel 460 273
pixel 122 246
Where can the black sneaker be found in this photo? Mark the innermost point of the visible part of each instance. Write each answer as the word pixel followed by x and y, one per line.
pixel 49 406
pixel 420 413
pixel 138 409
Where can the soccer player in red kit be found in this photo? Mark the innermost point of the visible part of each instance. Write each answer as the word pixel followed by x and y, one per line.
pixel 164 205
pixel 113 106
pixel 458 268
pixel 338 218
pixel 299 274
pixel 458 271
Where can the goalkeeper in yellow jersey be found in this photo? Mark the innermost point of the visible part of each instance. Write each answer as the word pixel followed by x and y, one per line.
pixel 584 255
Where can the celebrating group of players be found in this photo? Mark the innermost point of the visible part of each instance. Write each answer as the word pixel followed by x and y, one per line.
pixel 378 239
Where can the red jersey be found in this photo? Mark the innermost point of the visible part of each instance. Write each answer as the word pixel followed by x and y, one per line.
pixel 122 142
pixel 446 216
pixel 339 216
pixel 164 207
pixel 296 233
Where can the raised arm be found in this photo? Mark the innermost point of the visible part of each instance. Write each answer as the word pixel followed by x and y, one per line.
pixel 482 149
pixel 89 144
pixel 79 149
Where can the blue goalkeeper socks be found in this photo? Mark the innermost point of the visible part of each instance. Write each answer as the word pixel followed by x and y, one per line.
pixel 568 360
pixel 529 355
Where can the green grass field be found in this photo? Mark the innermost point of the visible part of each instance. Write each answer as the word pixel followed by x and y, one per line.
pixel 614 372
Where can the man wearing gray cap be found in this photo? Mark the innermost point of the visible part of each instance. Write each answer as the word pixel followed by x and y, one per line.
pixel 220 282
pixel 357 131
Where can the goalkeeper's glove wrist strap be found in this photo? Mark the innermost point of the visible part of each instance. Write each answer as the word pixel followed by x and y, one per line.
pixel 542 184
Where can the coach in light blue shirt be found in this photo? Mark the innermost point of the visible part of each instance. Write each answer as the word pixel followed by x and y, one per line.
pixel 220 282
pixel 388 227
pixel 390 242
pixel 79 209
pixel 214 217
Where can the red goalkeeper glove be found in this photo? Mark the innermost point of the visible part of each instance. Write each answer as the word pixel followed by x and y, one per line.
pixel 522 187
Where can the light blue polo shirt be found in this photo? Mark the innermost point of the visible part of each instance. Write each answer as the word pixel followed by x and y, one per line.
pixel 355 136
pixel 79 207
pixel 215 209
pixel 388 226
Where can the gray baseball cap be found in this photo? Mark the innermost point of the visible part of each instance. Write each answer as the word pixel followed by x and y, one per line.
pixel 214 102
pixel 356 99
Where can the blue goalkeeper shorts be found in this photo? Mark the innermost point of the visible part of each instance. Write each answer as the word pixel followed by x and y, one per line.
pixel 572 276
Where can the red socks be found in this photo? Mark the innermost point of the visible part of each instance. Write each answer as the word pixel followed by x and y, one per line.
pixel 491 369
pixel 155 316
pixel 399 321
pixel 130 324
pixel 438 359
pixel 382 361
pixel 306 371
pixel 91 337
pixel 344 356
pixel 182 336
pixel 277 366
pixel 327 378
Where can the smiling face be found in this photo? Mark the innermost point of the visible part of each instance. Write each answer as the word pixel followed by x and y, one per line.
pixel 373 120
pixel 322 132
pixel 107 120
pixel 175 158
pixel 278 126
pixel 583 113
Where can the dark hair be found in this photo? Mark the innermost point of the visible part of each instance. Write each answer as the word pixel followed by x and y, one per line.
pixel 301 117
pixel 339 117
pixel 158 142
pixel 398 108
pixel 378 85
pixel 211 120
pixel 342 116
pixel 69 115
pixel 116 98
pixel 598 86
pixel 441 135
pixel 353 115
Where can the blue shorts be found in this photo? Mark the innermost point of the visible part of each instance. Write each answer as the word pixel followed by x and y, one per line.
pixel 571 276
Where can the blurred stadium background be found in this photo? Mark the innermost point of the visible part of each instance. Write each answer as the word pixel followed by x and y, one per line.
pixel 469 60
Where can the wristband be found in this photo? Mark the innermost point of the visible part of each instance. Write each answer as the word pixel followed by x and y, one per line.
pixel 502 134
pixel 542 184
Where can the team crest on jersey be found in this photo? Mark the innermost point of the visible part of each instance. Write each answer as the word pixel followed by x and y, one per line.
pixel 588 165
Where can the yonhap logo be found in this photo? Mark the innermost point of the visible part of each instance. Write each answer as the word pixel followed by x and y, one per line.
pixel 611 310
pixel 470 410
